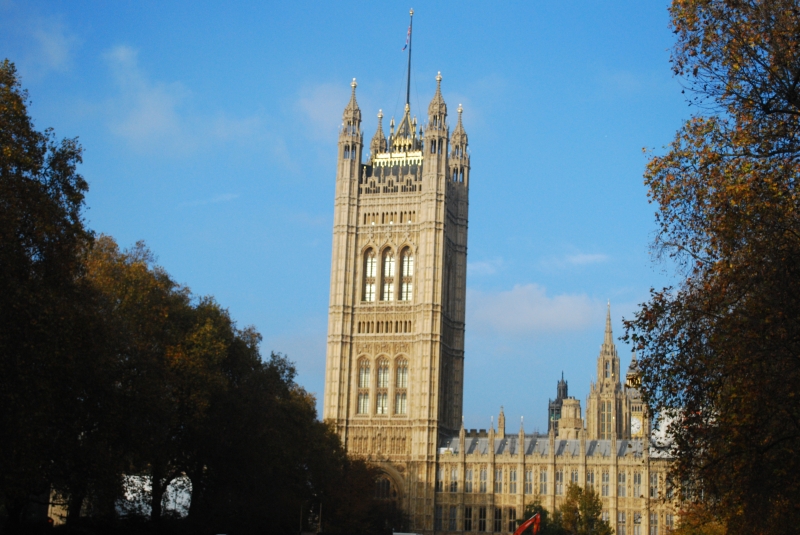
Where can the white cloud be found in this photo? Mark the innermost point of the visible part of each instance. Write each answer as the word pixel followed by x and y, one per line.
pixel 484 267
pixel 581 259
pixel 151 116
pixel 49 46
pixel 322 107
pixel 527 308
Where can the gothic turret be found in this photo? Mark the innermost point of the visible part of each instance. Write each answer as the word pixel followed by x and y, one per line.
pixel 436 134
pixel 459 157
pixel 378 143
pixel 351 140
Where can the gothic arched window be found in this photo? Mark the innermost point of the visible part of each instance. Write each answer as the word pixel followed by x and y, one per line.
pixel 406 275
pixel 347 152
pixel 382 394
pixel 607 372
pixel 369 275
pixel 401 385
pixel 363 387
pixel 383 489
pixel 388 276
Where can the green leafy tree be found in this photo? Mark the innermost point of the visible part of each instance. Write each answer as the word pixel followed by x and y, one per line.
pixel 581 512
pixel 719 350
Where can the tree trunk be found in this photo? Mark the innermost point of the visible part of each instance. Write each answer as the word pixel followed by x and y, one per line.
pixel 157 493
pixel 74 505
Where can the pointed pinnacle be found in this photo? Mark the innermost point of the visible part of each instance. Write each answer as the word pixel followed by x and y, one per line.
pixel 609 337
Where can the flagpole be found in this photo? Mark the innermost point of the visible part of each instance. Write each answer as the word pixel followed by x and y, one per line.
pixel 408 80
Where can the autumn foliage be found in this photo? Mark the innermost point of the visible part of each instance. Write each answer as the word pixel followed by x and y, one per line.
pixel 109 368
pixel 721 350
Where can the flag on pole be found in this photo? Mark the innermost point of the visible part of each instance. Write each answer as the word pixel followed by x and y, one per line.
pixel 408 37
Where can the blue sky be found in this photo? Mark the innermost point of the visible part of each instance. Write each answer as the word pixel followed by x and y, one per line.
pixel 210 132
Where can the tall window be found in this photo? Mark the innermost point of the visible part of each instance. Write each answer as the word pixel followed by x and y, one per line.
pixel 482 519
pixel 637 485
pixel 590 478
pixel 637 523
pixel 498 519
pixel 529 482
pixel 543 482
pixel 381 394
pixel 559 482
pixel 467 518
pixel 454 480
pixel 653 523
pixel 605 420
pixel 607 372
pixel 369 276
pixel 439 479
pixel 407 276
pixel 383 488
pixel 574 477
pixel 654 484
pixel 604 485
pixel 498 481
pixel 512 482
pixel 452 519
pixel 512 519
pixel 437 518
pixel 483 481
pixel 388 276
pixel 621 523
pixel 363 387
pixel 467 484
pixel 401 384
pixel 669 521
pixel 621 484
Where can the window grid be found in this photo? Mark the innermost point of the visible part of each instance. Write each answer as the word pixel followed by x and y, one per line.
pixel 590 478
pixel 468 481
pixel 543 482
pixel 604 486
pixel 653 523
pixel 382 384
pixel 467 518
pixel 621 484
pixel 437 518
pixel 483 483
pixel 363 388
pixel 407 276
pixel 369 276
pixel 512 482
pixel 637 485
pixel 574 477
pixel 498 481
pixel 621 523
pixel 452 517
pixel 401 383
pixel 498 519
pixel 654 484
pixel 388 276
pixel 559 482
pixel 482 519
pixel 439 480
pixel 454 480
pixel 529 482
pixel 512 519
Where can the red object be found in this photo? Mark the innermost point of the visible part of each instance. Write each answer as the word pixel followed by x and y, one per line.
pixel 532 521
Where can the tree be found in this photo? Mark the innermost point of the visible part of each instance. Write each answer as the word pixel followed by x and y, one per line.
pixel 42 312
pixel 581 512
pixel 719 350
pixel 547 525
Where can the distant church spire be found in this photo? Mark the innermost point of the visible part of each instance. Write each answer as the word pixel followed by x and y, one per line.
pixel 378 144
pixel 609 337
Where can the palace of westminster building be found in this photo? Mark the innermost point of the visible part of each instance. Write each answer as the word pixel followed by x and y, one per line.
pixel 395 355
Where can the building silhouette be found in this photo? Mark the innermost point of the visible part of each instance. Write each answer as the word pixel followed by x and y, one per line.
pixel 395 354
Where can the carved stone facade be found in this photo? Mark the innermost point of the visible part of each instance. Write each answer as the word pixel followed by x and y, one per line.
pixel 395 353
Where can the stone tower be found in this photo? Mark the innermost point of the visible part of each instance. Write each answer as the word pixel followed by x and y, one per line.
pixel 607 411
pixel 395 352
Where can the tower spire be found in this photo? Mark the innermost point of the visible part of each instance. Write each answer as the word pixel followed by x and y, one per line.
pixel 609 338
pixel 408 78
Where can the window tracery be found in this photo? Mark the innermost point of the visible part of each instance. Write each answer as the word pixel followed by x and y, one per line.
pixel 407 275
pixel 382 393
pixel 388 276
pixel 369 276
pixel 363 387
pixel 401 385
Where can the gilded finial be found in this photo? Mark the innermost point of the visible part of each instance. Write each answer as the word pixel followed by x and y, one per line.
pixel 411 12
pixel 438 77
pixel 380 114
pixel 353 84
pixel 460 109
pixel 408 108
